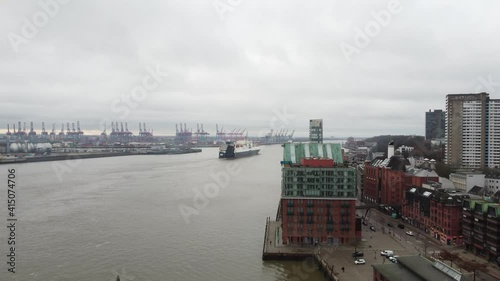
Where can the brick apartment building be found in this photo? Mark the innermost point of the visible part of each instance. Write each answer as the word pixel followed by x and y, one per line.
pixel 437 212
pixel 318 195
pixel 386 180
pixel 481 228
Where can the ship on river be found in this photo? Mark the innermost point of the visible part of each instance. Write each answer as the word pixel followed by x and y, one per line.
pixel 238 149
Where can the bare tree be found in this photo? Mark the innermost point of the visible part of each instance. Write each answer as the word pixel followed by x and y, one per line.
pixel 472 266
pixel 449 256
pixel 356 242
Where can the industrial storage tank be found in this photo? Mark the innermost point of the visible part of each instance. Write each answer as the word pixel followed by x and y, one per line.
pixel 29 147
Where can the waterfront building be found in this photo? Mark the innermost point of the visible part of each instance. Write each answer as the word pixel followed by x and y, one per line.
pixel 413 268
pixel 465 181
pixel 435 211
pixel 386 180
pixel 316 130
pixel 472 131
pixel 481 228
pixel 318 195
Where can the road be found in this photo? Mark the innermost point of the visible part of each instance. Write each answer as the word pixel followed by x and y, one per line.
pixel 421 241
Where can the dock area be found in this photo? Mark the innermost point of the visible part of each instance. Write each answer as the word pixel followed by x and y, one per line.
pixel 336 261
pixel 273 249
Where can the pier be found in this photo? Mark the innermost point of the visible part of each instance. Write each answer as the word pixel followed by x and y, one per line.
pixel 273 249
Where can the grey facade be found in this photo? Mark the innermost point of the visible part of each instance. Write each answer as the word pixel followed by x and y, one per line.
pixel 435 124
pixel 316 130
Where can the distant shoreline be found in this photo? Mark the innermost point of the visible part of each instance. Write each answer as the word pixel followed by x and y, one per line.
pixel 74 156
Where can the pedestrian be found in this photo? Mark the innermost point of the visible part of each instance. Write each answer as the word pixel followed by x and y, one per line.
pixel 343 269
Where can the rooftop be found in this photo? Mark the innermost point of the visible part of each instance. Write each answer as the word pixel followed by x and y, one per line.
pixel 410 268
pixel 394 272
pixel 294 152
pixel 441 196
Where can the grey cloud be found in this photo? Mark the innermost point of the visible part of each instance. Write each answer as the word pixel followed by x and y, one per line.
pixel 263 56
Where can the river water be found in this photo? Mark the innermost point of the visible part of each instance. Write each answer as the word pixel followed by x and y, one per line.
pixel 96 218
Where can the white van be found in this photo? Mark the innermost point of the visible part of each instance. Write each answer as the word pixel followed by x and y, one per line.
pixel 387 253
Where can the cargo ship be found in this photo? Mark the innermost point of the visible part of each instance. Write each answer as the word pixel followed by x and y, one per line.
pixel 239 149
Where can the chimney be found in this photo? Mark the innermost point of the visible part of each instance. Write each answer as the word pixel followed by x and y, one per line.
pixel 432 164
pixel 425 165
pixel 390 150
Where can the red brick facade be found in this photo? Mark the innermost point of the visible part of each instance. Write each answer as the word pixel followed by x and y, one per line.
pixel 383 185
pixel 433 212
pixel 393 183
pixel 318 220
pixel 372 183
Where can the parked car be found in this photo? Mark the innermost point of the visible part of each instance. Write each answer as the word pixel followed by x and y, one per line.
pixel 410 233
pixel 402 226
pixel 359 261
pixel 390 225
pixel 372 228
pixel 387 253
pixel 393 259
pixel 358 254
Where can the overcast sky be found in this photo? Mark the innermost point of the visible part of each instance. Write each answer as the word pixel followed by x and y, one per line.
pixel 365 68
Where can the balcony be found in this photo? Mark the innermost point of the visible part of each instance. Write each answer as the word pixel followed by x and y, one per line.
pixel 468 219
pixel 479 231
pixel 468 226
pixel 479 239
pixel 493 220
pixel 492 228
pixel 494 243
pixel 493 234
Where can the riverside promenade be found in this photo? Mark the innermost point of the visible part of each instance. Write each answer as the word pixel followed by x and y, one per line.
pixel 330 259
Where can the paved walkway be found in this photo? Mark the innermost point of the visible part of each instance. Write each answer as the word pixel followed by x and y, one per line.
pixel 493 269
pixel 383 238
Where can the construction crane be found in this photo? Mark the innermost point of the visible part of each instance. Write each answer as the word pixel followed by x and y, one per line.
pixel 104 131
pixel 44 133
pixel 53 132
pixel 80 132
pixel 61 134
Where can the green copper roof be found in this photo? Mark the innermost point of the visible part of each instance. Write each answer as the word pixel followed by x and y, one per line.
pixel 293 152
pixel 494 208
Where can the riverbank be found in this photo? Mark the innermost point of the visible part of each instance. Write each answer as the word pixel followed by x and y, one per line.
pixel 87 155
